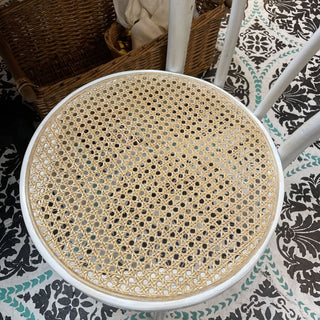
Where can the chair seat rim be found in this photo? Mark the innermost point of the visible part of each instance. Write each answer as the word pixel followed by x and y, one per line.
pixel 138 304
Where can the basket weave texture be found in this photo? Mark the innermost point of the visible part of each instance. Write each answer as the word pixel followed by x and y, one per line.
pixel 53 47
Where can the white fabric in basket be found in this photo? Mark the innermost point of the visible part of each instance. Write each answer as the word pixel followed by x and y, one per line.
pixel 147 19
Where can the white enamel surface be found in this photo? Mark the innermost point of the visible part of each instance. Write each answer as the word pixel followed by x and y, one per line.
pixel 133 304
pixel 180 20
pixel 303 137
pixel 232 34
pixel 294 67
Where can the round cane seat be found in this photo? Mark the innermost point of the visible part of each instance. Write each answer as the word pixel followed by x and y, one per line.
pixel 151 186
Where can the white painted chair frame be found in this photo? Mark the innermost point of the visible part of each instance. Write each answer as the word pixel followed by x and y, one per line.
pixel 181 12
pixel 179 26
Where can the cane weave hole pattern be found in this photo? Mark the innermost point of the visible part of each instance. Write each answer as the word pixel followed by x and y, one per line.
pixel 152 185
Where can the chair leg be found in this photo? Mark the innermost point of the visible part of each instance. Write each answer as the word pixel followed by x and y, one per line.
pixel 232 34
pixel 159 315
pixel 303 137
pixel 180 20
pixel 292 70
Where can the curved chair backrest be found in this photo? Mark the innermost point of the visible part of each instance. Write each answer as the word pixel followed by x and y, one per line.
pixel 179 25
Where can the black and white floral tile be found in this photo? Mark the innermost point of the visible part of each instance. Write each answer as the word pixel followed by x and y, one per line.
pixel 285 282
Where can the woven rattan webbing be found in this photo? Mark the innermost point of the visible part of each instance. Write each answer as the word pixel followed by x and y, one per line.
pixel 152 185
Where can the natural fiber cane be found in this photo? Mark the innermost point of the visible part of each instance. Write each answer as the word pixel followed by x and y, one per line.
pixel 151 185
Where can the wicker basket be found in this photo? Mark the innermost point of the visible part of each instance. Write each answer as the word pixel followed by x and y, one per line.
pixel 111 37
pixel 53 47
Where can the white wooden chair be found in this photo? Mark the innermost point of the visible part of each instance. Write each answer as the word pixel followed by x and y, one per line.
pixel 218 177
